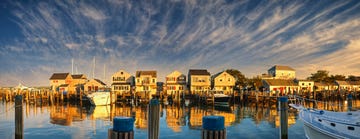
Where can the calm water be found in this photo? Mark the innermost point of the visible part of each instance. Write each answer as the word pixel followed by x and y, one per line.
pixel 177 122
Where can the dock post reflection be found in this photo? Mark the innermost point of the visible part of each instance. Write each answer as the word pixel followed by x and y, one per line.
pixel 213 127
pixel 283 108
pixel 123 128
pixel 154 118
pixel 19 120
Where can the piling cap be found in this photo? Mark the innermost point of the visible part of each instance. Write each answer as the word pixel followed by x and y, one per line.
pixel 283 99
pixel 123 124
pixel 213 122
pixel 154 102
pixel 18 97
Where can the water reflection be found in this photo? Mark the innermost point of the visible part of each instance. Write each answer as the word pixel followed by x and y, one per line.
pixel 177 118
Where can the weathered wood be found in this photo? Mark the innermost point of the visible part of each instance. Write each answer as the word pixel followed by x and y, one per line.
pixel 210 134
pixel 283 108
pixel 154 119
pixel 19 120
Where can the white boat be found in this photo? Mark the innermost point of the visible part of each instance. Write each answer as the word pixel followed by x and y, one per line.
pixel 220 98
pixel 100 98
pixel 320 124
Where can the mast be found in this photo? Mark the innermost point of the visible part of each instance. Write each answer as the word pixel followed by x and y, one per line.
pixel 72 66
pixel 104 73
pixel 94 69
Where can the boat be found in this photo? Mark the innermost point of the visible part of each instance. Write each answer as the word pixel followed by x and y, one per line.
pixel 220 98
pixel 99 98
pixel 319 124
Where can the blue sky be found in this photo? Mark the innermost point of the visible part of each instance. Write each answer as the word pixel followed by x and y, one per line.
pixel 39 38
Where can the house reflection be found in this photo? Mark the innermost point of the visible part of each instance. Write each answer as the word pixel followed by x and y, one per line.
pixel 175 117
pixel 65 115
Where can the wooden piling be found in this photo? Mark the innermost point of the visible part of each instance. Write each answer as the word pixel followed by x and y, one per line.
pixel 349 102
pixel 19 120
pixel 283 108
pixel 123 128
pixel 213 127
pixel 154 118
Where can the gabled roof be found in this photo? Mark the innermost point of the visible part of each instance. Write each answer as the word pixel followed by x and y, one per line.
pixel 280 67
pixel 341 82
pixel 218 74
pixel 120 84
pixel 59 76
pixel 64 85
pixel 280 82
pixel 99 81
pixel 198 72
pixel 77 76
pixel 354 82
pixel 152 73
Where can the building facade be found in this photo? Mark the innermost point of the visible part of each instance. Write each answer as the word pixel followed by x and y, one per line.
pixel 224 82
pixel 94 85
pixel 305 85
pixel 145 82
pixel 275 86
pixel 281 72
pixel 60 79
pixel 175 83
pixel 199 81
pixel 122 82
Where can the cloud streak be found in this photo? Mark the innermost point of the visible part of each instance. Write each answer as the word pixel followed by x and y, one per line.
pixel 178 35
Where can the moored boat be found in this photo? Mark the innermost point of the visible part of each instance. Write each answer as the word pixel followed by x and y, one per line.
pixel 100 98
pixel 320 124
pixel 220 98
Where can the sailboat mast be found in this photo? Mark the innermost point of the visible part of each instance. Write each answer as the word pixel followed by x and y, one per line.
pixel 94 69
pixel 72 66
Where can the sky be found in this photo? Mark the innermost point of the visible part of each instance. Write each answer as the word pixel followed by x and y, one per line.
pixel 39 38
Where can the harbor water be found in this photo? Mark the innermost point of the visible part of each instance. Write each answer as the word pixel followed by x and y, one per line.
pixel 42 121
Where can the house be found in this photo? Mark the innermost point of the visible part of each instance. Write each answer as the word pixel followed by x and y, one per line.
pixel 199 81
pixel 78 82
pixel 223 81
pixel 60 79
pixel 175 83
pixel 280 86
pixel 305 85
pixel 343 85
pixel 145 82
pixel 322 86
pixel 122 82
pixel 355 85
pixel 281 72
pixel 94 85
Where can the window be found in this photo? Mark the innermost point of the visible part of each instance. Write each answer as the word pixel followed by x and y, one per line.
pixel 220 80
pixel 121 73
pixel 351 128
pixel 309 83
pixel 229 79
pixel 153 80
pixel 303 84
pixel 332 124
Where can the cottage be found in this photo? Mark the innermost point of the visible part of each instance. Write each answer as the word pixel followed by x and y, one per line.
pixel 175 83
pixel 343 85
pixel 199 81
pixel 78 82
pixel 355 85
pixel 94 85
pixel 223 81
pixel 145 82
pixel 122 82
pixel 58 79
pixel 280 86
pixel 305 85
pixel 281 72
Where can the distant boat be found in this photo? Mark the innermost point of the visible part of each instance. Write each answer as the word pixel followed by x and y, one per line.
pixel 220 98
pixel 319 124
pixel 99 98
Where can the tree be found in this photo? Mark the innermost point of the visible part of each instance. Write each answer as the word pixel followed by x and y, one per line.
pixel 320 76
pixel 240 78
pixel 352 78
pixel 332 78
pixel 255 82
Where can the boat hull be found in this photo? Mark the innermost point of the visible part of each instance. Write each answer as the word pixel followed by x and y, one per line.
pixel 223 100
pixel 312 132
pixel 100 98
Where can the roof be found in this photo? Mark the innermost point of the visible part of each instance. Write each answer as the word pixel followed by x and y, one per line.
pixel 280 67
pixel 341 82
pixel 59 76
pixel 198 72
pixel 64 85
pixel 354 82
pixel 77 76
pixel 120 84
pixel 142 73
pixel 99 81
pixel 320 84
pixel 217 74
pixel 280 82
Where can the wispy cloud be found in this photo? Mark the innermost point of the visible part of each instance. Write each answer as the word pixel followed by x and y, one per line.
pixel 178 35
